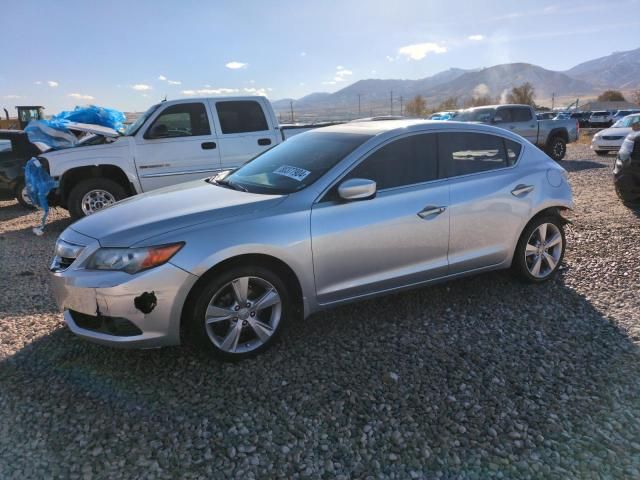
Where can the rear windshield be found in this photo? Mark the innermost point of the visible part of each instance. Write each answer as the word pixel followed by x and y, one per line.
pixel 593 114
pixel 296 163
pixel 475 115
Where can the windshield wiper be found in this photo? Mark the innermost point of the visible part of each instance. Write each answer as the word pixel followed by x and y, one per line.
pixel 226 183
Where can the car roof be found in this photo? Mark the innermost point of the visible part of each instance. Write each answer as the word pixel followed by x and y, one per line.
pixel 411 125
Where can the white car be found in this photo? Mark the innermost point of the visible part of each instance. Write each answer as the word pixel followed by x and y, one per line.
pixel 610 139
pixel 600 118
pixel 620 114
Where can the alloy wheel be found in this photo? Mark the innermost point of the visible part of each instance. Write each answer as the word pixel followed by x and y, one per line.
pixel 544 250
pixel 243 315
pixel 95 200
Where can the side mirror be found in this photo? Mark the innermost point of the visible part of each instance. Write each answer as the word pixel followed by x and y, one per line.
pixel 357 189
pixel 159 131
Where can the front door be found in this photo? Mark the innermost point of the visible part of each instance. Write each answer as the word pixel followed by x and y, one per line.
pixel 244 130
pixel 398 238
pixel 518 120
pixel 178 145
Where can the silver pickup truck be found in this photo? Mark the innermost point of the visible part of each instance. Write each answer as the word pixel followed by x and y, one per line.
pixel 551 136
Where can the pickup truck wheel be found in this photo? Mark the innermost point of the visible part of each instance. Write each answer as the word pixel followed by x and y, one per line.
pixel 22 196
pixel 557 148
pixel 239 313
pixel 92 195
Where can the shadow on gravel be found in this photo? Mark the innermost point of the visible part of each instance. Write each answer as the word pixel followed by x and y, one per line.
pixel 471 378
pixel 13 210
pixel 578 165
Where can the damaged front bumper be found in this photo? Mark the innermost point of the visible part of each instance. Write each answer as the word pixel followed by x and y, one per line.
pixel 119 309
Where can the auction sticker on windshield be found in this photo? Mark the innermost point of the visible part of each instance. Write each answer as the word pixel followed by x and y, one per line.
pixel 296 173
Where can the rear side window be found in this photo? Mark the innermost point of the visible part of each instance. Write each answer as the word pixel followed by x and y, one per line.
pixel 520 114
pixel 513 151
pixel 467 153
pixel 407 161
pixel 180 120
pixel 241 116
pixel 503 115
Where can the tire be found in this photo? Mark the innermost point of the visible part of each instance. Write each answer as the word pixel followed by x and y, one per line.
pixel 21 195
pixel 106 193
pixel 601 153
pixel 524 262
pixel 557 148
pixel 219 303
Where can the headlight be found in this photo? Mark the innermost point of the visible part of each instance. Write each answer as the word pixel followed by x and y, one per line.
pixel 132 260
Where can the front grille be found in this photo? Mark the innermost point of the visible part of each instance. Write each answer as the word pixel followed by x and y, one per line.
pixel 117 326
pixel 612 137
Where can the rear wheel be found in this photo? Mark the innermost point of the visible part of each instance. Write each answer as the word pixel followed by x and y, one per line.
pixel 22 196
pixel 238 313
pixel 540 249
pixel 557 148
pixel 92 195
pixel 601 153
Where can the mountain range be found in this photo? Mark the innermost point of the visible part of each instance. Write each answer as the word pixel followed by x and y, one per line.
pixel 619 71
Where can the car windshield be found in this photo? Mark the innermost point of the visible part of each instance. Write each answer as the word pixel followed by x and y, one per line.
pixel 626 122
pixel 296 163
pixel 475 115
pixel 599 114
pixel 135 126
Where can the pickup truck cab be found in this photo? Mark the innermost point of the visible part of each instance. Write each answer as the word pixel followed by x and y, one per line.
pixel 550 135
pixel 172 142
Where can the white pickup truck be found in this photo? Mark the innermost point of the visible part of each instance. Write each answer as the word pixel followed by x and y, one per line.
pixel 172 142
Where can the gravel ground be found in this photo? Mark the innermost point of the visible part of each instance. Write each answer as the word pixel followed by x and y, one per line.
pixel 479 378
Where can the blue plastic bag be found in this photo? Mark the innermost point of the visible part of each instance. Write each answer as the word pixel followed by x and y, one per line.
pixel 106 117
pixel 39 183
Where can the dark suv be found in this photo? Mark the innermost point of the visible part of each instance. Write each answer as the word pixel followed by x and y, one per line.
pixel 15 151
pixel 626 172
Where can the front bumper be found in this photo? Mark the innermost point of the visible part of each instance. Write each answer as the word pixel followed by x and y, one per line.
pixel 92 300
pixel 606 145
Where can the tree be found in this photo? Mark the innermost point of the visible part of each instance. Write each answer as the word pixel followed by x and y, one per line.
pixel 611 96
pixel 450 103
pixel 479 101
pixel 524 94
pixel 416 107
pixel 636 97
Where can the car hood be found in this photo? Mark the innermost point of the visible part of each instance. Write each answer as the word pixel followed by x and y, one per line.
pixel 167 209
pixel 620 131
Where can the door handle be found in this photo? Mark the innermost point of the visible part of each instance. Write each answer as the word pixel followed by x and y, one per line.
pixel 208 145
pixel 522 189
pixel 264 141
pixel 431 210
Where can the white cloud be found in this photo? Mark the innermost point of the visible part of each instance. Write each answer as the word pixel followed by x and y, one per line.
pixel 302 84
pixel 390 59
pixel 52 83
pixel 162 77
pixel 211 91
pixel 341 73
pixel 328 83
pixel 257 91
pixel 418 51
pixel 141 87
pixel 174 82
pixel 81 96
pixel 38 82
pixel 476 38
pixel 12 96
pixel 303 54
pixel 235 65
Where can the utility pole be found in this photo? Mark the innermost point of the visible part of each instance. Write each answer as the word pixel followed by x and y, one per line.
pixel 553 101
pixel 391 103
pixel 401 105
pixel 359 95
pixel 291 106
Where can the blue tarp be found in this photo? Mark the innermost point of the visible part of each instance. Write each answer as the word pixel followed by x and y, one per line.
pixel 106 117
pixel 39 184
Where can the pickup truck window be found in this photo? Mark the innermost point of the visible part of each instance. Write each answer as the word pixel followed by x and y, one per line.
pixel 476 115
pixel 467 153
pixel 520 114
pixel 241 117
pixel 180 120
pixel 296 163
pixel 135 126
pixel 503 115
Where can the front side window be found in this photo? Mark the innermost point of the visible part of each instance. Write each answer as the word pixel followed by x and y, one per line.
pixel 520 114
pixel 296 163
pixel 503 115
pixel 180 120
pixel 241 117
pixel 467 153
pixel 406 161
pixel 476 115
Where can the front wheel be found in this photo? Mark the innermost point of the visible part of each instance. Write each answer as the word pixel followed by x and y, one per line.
pixel 93 194
pixel 557 148
pixel 238 313
pixel 22 196
pixel 540 249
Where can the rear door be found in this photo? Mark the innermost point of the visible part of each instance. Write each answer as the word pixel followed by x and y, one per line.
pixel 489 198
pixel 178 145
pixel 400 237
pixel 244 130
pixel 519 120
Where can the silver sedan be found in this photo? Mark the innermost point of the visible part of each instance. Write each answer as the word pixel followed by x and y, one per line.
pixel 330 216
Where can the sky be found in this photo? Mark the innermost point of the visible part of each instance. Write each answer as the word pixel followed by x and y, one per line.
pixel 131 54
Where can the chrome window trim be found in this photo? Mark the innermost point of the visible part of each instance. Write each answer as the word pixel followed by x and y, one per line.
pixel 182 172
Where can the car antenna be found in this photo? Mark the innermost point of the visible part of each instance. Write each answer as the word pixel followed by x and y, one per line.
pixel 165 98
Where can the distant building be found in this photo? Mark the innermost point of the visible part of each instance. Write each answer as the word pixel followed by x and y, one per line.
pixel 611 106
